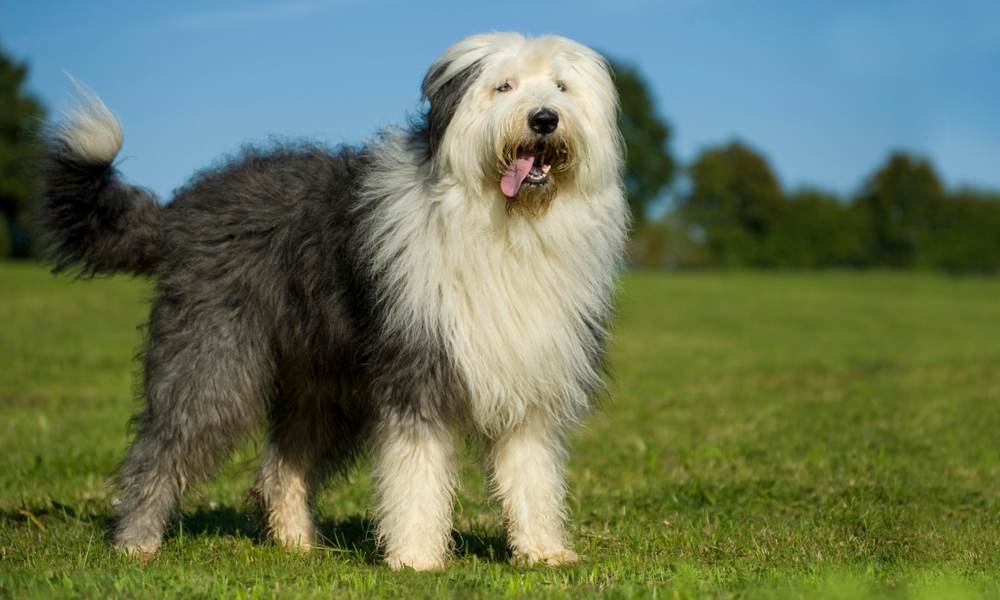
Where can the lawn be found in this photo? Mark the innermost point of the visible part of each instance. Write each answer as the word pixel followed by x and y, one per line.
pixel 766 435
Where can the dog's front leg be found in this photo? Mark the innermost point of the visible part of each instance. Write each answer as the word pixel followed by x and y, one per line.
pixel 527 465
pixel 415 480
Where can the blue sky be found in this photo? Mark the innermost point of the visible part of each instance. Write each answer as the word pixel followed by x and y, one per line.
pixel 825 90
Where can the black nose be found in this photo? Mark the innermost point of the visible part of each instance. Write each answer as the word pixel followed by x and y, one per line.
pixel 544 121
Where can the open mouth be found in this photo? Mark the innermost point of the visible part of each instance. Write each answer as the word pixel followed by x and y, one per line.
pixel 530 167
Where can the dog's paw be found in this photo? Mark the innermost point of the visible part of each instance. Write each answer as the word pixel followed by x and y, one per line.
pixel 141 552
pixel 295 537
pixel 138 543
pixel 417 562
pixel 295 542
pixel 552 557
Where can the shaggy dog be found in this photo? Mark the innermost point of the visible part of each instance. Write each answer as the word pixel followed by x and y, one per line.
pixel 453 277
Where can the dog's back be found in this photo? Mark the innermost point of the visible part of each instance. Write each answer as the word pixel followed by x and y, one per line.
pixel 261 205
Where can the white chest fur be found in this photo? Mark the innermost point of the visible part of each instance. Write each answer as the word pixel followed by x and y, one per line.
pixel 508 295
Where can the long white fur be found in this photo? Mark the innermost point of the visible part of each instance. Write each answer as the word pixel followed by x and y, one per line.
pixel 506 292
pixel 527 473
pixel 91 131
pixel 414 471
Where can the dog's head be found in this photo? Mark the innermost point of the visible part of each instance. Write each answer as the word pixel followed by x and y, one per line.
pixel 522 118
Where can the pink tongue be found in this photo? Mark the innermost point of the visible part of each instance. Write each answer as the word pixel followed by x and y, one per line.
pixel 511 181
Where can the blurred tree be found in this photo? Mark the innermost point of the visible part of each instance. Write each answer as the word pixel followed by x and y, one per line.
pixel 966 236
pixel 735 201
pixel 901 201
pixel 666 243
pixel 20 117
pixel 816 229
pixel 649 166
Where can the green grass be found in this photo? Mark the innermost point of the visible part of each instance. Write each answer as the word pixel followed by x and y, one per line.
pixel 768 435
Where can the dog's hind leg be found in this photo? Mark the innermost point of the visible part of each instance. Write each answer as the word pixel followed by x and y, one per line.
pixel 311 436
pixel 283 490
pixel 205 388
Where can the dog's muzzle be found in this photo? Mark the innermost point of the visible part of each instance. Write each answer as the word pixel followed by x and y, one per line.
pixel 529 163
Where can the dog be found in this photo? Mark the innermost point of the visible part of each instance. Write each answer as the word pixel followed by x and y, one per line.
pixel 450 277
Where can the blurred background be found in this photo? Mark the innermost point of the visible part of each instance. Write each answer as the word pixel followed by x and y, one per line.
pixel 771 134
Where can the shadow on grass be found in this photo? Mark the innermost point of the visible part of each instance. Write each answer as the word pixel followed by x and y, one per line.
pixel 357 535
pixel 354 535
pixel 487 545
pixel 220 521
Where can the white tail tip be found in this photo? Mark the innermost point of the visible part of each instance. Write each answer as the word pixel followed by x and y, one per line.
pixel 90 131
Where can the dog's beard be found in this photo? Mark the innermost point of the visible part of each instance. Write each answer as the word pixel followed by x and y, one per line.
pixel 530 171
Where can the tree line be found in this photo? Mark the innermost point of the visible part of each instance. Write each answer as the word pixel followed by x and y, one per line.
pixel 731 210
pixel 734 213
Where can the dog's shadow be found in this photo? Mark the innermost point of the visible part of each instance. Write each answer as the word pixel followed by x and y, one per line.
pixel 218 521
pixel 354 535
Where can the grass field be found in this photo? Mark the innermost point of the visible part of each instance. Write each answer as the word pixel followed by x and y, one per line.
pixel 768 435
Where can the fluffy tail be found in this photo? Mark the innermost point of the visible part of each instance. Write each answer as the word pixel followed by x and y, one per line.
pixel 91 221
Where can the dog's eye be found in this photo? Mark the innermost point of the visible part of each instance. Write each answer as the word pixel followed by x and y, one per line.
pixel 505 87
pixel 561 86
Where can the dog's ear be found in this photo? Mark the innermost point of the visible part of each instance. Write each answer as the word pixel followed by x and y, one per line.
pixel 443 89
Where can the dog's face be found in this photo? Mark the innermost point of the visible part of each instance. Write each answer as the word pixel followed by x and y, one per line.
pixel 522 119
